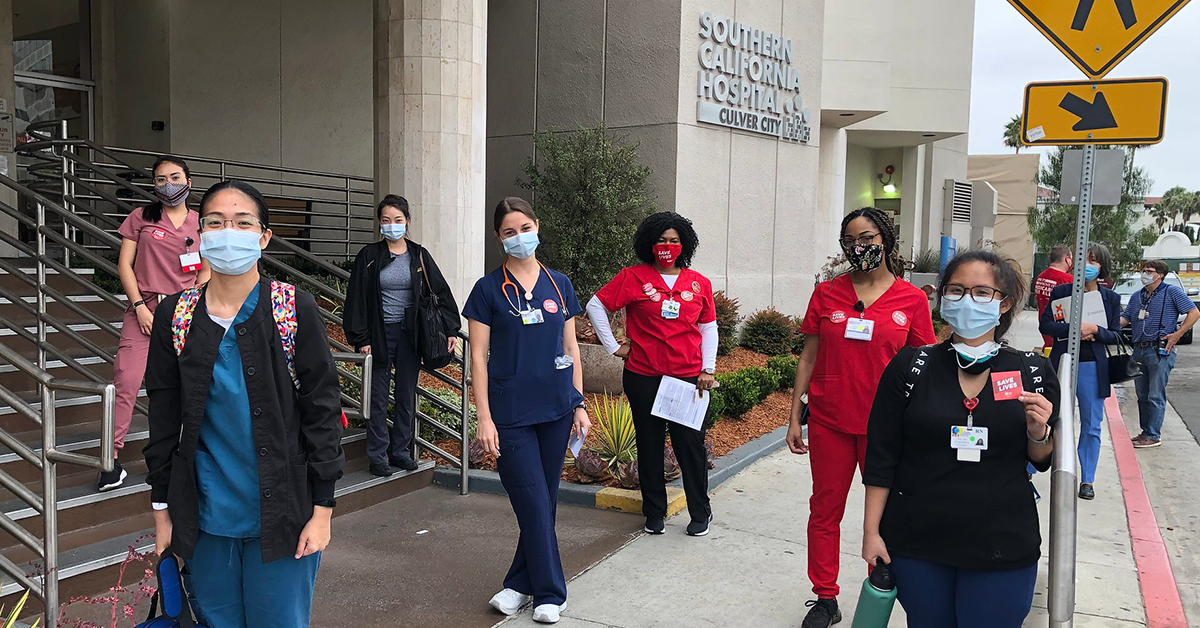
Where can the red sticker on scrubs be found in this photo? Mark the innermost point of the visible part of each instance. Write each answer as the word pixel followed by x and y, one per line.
pixel 900 317
pixel 695 286
pixel 838 316
pixel 648 288
pixel 686 296
pixel 1007 385
pixel 550 305
pixel 158 234
pixel 656 297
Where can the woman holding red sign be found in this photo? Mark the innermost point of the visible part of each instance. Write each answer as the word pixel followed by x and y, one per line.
pixel 855 324
pixel 672 328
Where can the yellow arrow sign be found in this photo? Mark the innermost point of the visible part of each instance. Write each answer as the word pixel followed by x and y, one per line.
pixel 1122 111
pixel 1097 34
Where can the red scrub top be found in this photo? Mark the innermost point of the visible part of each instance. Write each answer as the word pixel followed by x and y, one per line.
pixel 847 372
pixel 661 346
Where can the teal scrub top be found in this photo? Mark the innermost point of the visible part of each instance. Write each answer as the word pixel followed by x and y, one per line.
pixel 525 385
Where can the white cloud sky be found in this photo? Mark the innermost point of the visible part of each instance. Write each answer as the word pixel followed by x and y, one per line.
pixel 1010 52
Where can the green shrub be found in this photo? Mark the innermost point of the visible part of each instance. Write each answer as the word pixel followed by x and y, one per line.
pixel 928 261
pixel 785 367
pixel 797 335
pixel 591 193
pixel 739 392
pixel 769 331
pixel 727 322
pixel 452 420
pixel 766 381
pixel 716 408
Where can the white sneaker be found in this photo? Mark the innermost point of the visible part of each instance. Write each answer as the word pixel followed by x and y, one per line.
pixel 548 613
pixel 510 602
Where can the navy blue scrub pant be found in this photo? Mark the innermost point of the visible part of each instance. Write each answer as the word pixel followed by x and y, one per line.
pixel 530 467
pixel 939 596
pixel 383 443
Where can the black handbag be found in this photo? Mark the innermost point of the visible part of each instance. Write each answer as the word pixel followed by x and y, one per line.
pixel 1121 365
pixel 433 340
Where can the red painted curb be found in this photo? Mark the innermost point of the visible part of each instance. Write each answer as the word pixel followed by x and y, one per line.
pixel 1160 594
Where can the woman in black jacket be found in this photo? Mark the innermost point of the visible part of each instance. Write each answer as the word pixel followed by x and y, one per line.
pixel 245 427
pixel 389 279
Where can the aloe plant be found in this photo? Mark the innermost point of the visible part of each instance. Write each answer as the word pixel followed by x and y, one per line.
pixel 16 612
pixel 616 443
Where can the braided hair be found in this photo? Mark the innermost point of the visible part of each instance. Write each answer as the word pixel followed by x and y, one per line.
pixel 887 230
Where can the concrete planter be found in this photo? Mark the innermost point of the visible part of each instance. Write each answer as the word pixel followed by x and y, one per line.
pixel 601 370
pixel 921 280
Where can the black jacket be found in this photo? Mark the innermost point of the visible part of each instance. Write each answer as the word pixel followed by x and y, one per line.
pixel 297 434
pixel 1111 335
pixel 363 318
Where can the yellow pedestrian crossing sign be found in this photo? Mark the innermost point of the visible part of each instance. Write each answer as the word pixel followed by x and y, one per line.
pixel 1119 111
pixel 1097 34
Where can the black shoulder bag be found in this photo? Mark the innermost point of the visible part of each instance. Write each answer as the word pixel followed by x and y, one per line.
pixel 433 340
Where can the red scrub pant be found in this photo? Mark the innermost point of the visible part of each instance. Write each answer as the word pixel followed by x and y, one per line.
pixel 834 455
pixel 129 368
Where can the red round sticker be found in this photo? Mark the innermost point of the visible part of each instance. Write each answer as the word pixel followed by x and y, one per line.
pixel 550 305
pixel 648 288
pixel 695 286
pixel 656 297
pixel 158 234
pixel 900 317
pixel 686 296
pixel 838 316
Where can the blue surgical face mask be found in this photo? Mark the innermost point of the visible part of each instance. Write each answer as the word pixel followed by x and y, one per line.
pixel 522 245
pixel 1091 272
pixel 393 231
pixel 969 319
pixel 231 251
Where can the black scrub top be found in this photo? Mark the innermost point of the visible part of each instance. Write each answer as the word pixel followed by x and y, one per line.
pixel 971 515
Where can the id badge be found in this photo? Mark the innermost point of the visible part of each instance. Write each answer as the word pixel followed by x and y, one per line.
pixel 968 442
pixel 190 262
pixel 860 329
pixel 532 317
pixel 1142 315
pixel 670 309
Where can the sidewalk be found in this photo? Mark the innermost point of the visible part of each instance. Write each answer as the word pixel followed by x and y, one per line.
pixel 751 570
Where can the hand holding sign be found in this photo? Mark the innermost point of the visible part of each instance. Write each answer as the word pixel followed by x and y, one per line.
pixel 1006 386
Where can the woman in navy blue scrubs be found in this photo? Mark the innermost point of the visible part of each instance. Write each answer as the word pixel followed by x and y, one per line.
pixel 528 395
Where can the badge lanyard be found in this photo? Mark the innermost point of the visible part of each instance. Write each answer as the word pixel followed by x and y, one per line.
pixel 970 405
pixel 516 310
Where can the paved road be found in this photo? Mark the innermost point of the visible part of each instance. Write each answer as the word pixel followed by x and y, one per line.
pixel 1183 391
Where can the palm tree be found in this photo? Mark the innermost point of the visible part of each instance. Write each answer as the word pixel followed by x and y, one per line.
pixel 1177 203
pixel 1012 134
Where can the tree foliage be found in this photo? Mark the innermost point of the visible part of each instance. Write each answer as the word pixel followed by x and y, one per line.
pixel 1112 225
pixel 1012 134
pixel 1177 208
pixel 590 193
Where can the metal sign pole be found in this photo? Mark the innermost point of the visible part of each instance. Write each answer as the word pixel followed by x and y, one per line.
pixel 1064 480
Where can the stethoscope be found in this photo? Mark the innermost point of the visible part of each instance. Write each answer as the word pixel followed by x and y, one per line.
pixel 516 311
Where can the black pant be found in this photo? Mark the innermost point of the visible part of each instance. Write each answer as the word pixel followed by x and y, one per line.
pixel 402 354
pixel 651 442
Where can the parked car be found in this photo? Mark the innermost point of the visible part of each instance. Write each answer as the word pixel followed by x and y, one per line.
pixel 1131 283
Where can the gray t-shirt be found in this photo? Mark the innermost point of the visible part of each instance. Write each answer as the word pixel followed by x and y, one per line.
pixel 395 284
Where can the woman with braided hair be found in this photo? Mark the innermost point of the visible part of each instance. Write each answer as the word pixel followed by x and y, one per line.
pixel 856 323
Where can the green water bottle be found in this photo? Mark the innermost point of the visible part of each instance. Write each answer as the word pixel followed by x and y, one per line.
pixel 877 598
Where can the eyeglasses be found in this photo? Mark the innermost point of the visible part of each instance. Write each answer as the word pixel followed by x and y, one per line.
pixel 864 240
pixel 979 294
pixel 241 224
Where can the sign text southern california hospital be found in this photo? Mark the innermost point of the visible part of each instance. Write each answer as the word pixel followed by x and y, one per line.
pixel 746 80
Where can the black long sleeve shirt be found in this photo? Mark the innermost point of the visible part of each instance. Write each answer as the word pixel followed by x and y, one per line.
pixel 973 515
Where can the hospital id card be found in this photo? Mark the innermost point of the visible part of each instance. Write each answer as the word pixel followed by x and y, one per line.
pixel 190 262
pixel 968 442
pixel 670 309
pixel 860 329
pixel 532 316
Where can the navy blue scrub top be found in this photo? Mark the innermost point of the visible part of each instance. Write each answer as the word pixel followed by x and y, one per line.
pixel 524 387
pixel 226 468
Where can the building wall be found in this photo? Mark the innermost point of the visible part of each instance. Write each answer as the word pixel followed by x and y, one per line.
pixel 141 88
pixel 860 177
pixel 1015 179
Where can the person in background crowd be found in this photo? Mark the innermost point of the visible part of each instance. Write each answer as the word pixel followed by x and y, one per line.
pixel 671 321
pixel 245 433
pixel 956 520
pixel 388 279
pixel 1094 385
pixel 159 256
pixel 855 324
pixel 1153 313
pixel 1058 273
pixel 528 385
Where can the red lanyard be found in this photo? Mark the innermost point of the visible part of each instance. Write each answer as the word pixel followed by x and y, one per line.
pixel 971 404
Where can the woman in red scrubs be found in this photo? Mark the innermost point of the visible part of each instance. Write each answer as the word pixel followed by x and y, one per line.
pixel 855 325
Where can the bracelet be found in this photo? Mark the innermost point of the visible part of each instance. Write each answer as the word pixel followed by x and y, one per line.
pixel 1045 439
pixel 142 302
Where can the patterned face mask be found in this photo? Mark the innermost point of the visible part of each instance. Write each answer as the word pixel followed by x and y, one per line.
pixel 865 257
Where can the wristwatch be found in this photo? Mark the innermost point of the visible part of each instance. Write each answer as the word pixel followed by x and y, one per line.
pixel 710 371
pixel 142 302
pixel 581 404
pixel 1045 439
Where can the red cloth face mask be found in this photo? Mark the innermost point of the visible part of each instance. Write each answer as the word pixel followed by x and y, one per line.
pixel 666 254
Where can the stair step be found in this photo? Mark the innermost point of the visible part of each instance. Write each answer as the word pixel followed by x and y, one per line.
pixel 95 305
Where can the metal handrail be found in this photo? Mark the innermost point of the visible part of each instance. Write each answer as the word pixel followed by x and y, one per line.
pixel 1064 480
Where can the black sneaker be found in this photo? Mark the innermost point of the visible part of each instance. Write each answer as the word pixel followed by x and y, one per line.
pixel 699 528
pixel 381 470
pixel 112 479
pixel 1086 492
pixel 824 614
pixel 403 462
pixel 655 525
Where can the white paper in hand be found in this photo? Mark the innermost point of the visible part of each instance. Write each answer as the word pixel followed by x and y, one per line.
pixel 680 402
pixel 576 443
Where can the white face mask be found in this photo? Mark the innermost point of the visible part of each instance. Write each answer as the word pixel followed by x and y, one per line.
pixel 1147 279
pixel 975 355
